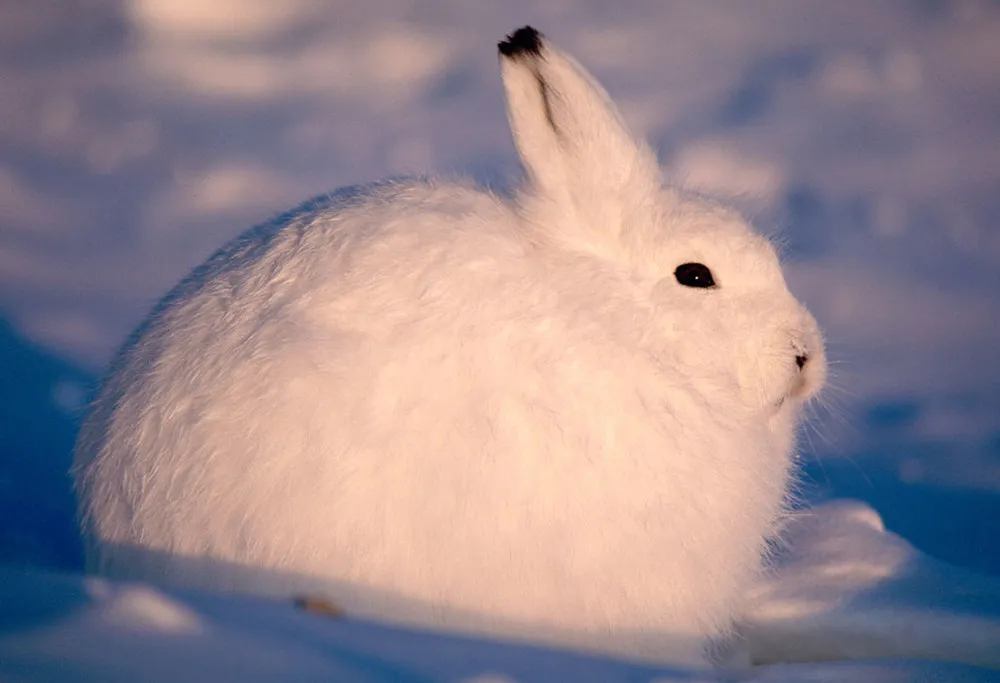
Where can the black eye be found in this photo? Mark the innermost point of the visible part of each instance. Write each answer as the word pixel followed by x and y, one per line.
pixel 694 275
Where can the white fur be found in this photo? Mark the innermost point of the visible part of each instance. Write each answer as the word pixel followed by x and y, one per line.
pixel 449 409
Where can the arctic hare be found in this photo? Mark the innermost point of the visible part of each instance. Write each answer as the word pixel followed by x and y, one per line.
pixel 568 415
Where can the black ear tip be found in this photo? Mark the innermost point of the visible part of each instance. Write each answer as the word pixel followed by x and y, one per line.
pixel 523 41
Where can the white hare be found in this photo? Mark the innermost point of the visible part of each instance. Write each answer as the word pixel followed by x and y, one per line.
pixel 567 416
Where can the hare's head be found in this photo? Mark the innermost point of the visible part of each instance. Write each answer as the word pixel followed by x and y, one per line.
pixel 720 311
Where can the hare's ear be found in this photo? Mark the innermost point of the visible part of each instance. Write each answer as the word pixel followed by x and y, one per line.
pixel 568 133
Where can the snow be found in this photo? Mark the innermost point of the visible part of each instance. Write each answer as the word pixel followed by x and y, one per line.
pixel 845 588
pixel 137 136
pixel 848 590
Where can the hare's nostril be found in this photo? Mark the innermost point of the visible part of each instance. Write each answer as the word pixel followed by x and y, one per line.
pixel 801 360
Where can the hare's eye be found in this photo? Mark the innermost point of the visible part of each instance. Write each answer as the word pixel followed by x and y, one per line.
pixel 694 275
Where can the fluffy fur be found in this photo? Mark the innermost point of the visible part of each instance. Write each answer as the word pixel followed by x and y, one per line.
pixel 455 410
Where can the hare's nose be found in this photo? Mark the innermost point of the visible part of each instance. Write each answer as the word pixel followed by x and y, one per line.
pixel 801 360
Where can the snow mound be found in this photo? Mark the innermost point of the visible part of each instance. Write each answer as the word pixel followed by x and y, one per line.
pixel 849 589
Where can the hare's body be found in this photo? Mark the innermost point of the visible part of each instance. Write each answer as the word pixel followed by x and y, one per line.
pixel 454 410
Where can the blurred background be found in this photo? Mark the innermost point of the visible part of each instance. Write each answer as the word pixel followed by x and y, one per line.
pixel 136 136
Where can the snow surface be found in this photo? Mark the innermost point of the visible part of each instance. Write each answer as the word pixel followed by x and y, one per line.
pixel 845 588
pixel 837 596
pixel 138 135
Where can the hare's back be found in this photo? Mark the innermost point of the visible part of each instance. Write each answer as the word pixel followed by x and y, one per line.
pixel 331 331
